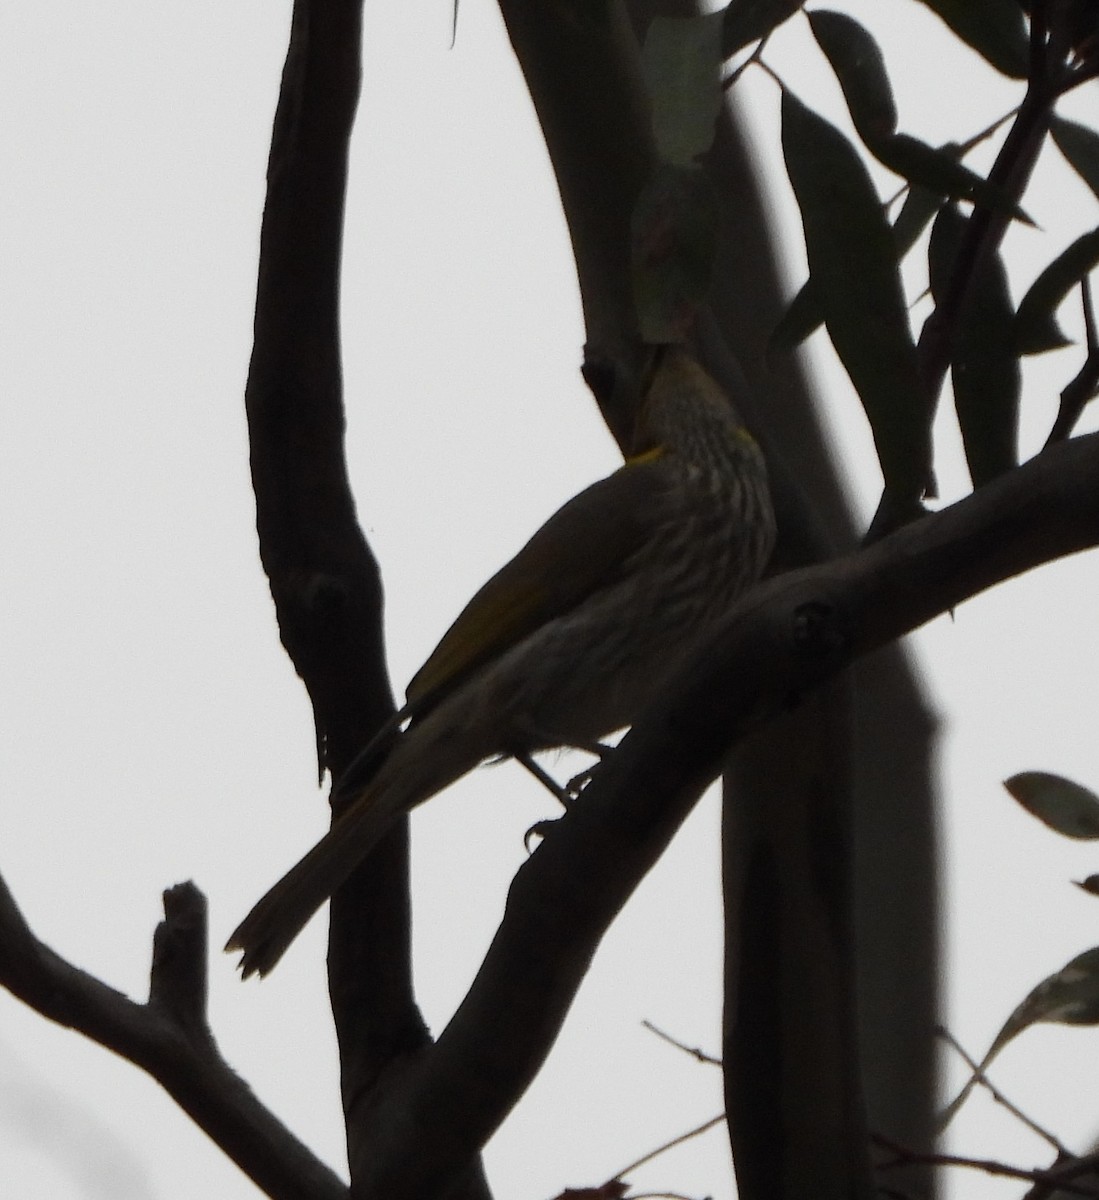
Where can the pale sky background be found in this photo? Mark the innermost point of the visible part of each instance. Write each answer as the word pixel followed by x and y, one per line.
pixel 153 730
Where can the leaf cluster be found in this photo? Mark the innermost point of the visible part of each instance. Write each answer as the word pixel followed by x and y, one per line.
pixel 855 248
pixel 1070 996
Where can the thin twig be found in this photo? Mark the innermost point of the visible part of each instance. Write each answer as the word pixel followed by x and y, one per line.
pixel 677 1141
pixel 904 1157
pixel 986 226
pixel 755 57
pixel 963 148
pixel 694 1051
pixel 981 1078
pixel 1089 315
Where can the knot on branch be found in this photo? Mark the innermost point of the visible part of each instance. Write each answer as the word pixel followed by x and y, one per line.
pixel 821 633
pixel 177 977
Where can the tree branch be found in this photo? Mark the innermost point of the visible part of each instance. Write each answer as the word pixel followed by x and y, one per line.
pixel 324 579
pixel 585 86
pixel 785 639
pixel 579 60
pixel 985 229
pixel 169 1038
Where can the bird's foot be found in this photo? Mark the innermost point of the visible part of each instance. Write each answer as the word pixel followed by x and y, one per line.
pixel 581 779
pixel 561 794
pixel 538 830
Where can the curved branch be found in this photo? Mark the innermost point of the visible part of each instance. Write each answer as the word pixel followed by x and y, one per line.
pixel 785 639
pixel 169 1038
pixel 324 579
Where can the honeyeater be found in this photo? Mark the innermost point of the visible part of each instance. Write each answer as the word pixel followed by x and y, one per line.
pixel 568 642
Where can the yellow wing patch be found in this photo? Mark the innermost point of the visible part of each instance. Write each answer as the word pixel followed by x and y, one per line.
pixel 582 548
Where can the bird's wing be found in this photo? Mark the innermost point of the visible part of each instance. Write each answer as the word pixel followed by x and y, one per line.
pixel 582 548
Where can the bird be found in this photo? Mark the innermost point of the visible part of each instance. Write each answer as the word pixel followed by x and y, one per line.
pixel 570 641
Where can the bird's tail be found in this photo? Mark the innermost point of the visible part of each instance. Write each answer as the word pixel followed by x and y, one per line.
pixel 276 920
pixel 426 759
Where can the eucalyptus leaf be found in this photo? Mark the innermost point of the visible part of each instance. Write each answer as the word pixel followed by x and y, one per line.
pixel 996 29
pixel 939 171
pixel 804 315
pixel 1068 997
pixel 681 65
pixel 918 210
pixel 986 377
pixel 1066 807
pixel 857 60
pixel 853 265
pixel 984 366
pixel 1080 146
pixel 859 65
pixel 1035 328
pixel 747 21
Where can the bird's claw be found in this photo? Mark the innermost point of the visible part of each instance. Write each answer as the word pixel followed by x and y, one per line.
pixel 580 781
pixel 538 830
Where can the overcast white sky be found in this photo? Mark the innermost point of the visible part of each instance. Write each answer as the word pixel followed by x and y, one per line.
pixel 152 729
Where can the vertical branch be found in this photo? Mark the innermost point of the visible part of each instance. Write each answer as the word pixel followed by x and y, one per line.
pixel 985 229
pixel 875 762
pixel 574 57
pixel 793 1083
pixel 324 579
pixel 580 63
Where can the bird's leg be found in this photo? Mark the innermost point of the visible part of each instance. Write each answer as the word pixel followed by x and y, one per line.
pixel 581 779
pixel 595 749
pixel 560 794
pixel 563 795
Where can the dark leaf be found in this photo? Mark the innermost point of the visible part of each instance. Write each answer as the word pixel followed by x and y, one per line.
pixel 996 29
pixel 1069 997
pixel 860 69
pixel 939 171
pixel 853 265
pixel 942 250
pixel 984 366
pixel 986 377
pixel 1035 328
pixel 681 63
pixel 1080 145
pixel 802 318
pixel 747 21
pixel 918 210
pixel 1066 807
pixel 1089 885
pixel 674 235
